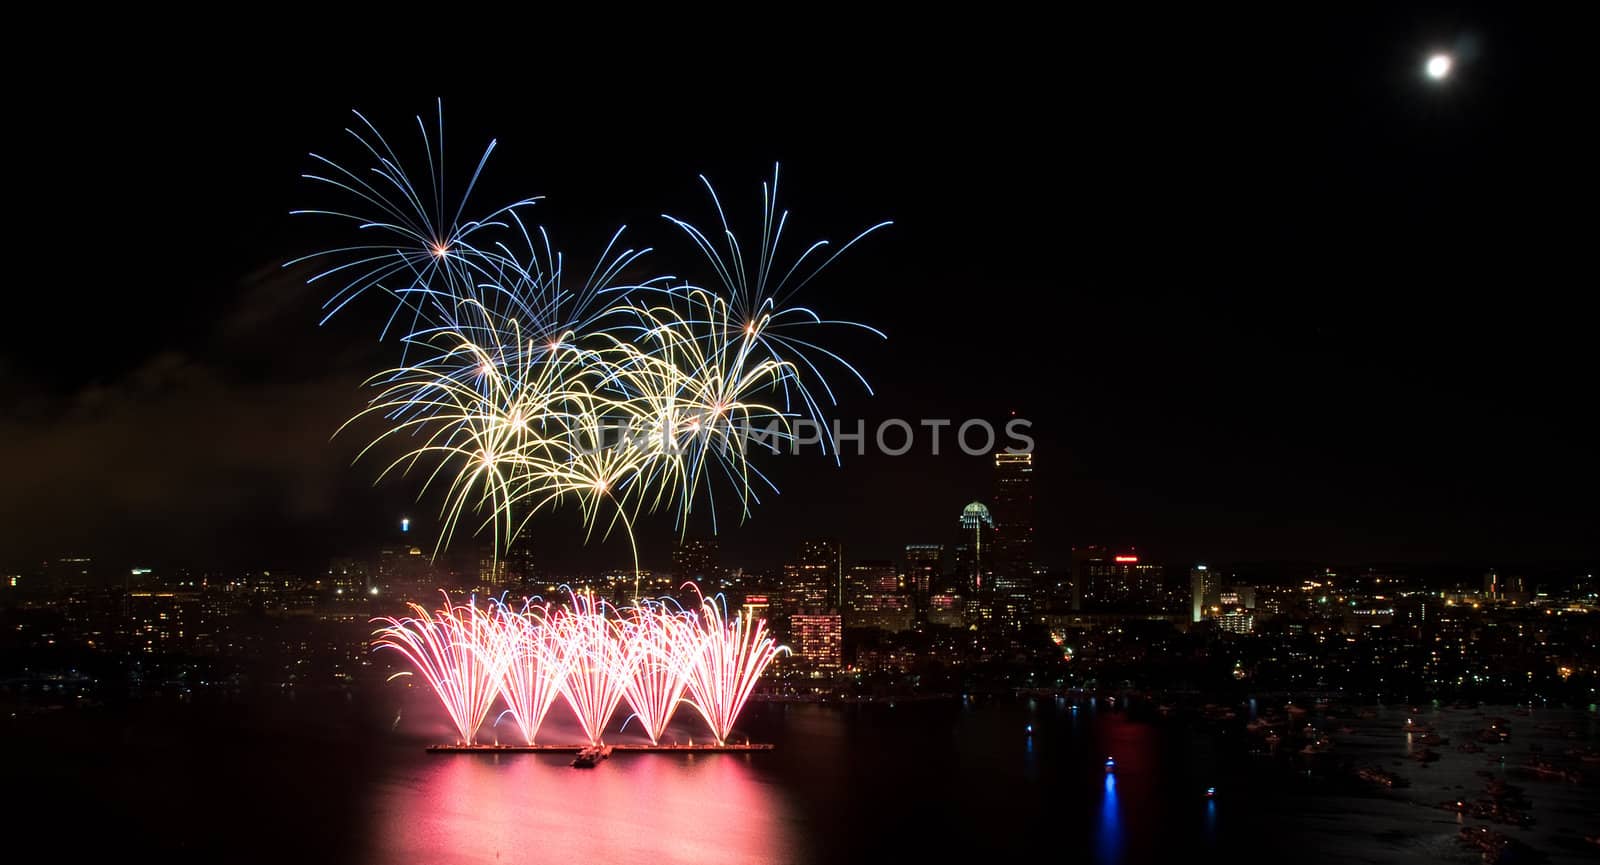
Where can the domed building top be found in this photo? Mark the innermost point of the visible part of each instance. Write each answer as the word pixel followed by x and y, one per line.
pixel 974 514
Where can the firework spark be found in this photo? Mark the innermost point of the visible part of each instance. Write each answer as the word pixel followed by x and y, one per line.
pixel 455 650
pixel 520 390
pixel 591 656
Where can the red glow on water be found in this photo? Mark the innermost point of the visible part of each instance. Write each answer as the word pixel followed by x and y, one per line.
pixel 534 808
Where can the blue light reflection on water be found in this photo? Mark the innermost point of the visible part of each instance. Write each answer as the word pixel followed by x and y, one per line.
pixel 1109 846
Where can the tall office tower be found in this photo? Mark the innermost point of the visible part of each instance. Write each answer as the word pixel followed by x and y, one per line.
pixel 1120 581
pixel 816 582
pixel 694 559
pixel 1012 510
pixel 818 639
pixel 924 568
pixel 1203 591
pixel 1082 557
pixel 491 568
pixel 1012 563
pixel 975 549
pixel 974 562
pixel 521 569
pixel 874 598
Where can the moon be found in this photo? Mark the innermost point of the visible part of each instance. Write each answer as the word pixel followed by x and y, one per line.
pixel 1438 66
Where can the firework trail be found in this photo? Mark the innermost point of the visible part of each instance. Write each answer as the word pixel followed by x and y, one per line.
pixel 533 667
pixel 588 654
pixel 598 662
pixel 656 678
pixel 724 664
pixel 515 379
pixel 454 650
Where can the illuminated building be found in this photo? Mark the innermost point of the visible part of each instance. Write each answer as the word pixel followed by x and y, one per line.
pixel 947 609
pixel 924 568
pixel 816 583
pixel 757 606
pixel 1012 513
pixel 68 572
pixel 973 566
pixel 1497 587
pixel 347 576
pixel 166 622
pixel 1117 581
pixel 695 559
pixel 874 598
pixel 1237 621
pixel 1012 562
pixel 1202 590
pixel 491 568
pixel 818 639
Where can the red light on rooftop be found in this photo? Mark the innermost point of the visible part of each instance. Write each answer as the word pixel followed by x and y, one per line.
pixel 1127 558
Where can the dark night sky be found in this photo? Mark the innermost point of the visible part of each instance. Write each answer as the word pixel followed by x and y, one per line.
pixel 1264 292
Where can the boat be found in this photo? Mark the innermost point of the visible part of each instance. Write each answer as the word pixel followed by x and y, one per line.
pixel 591 756
pixel 1492 844
pixel 1379 777
pixel 1547 769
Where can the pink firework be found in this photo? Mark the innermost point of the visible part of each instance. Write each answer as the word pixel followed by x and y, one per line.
pixel 724 662
pixel 655 635
pixel 453 649
pixel 534 666
pixel 596 658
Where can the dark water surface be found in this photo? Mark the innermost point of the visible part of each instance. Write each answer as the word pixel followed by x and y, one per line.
pixel 345 779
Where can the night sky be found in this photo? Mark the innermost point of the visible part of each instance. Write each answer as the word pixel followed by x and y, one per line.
pixel 1264 291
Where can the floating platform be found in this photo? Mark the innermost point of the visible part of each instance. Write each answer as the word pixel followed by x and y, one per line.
pixel 578 749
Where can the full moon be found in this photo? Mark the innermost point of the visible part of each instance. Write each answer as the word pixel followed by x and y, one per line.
pixel 1438 67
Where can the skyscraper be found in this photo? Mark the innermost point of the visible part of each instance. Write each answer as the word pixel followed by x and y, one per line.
pixel 974 550
pixel 816 582
pixel 974 568
pixel 924 568
pixel 1013 539
pixel 875 599
pixel 1012 511
pixel 1203 591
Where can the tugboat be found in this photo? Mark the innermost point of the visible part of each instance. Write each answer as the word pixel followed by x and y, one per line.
pixel 589 757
